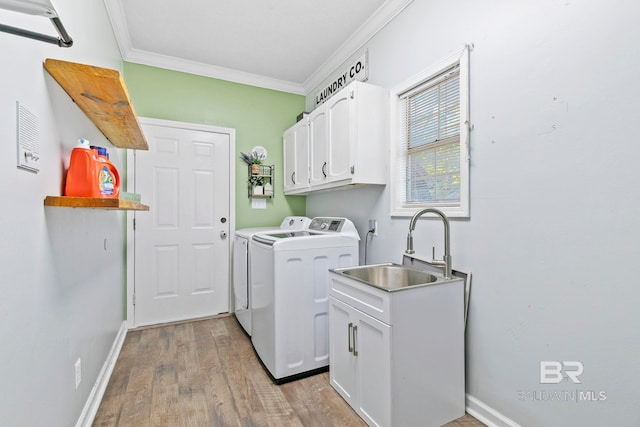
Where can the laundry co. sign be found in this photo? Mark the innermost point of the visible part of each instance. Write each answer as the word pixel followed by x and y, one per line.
pixel 357 70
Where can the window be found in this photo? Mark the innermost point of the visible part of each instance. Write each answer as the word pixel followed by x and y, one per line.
pixel 430 140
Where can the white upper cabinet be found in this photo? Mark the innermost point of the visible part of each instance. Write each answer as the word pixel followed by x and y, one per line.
pixel 296 157
pixel 348 140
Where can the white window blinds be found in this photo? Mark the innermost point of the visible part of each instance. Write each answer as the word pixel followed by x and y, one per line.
pixel 430 141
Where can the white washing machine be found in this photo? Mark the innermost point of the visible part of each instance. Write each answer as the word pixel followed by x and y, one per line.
pixel 242 260
pixel 290 294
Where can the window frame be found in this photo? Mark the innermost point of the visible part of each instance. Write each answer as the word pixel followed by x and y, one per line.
pixel 397 178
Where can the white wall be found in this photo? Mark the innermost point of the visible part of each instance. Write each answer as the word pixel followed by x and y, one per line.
pixel 553 236
pixel 62 292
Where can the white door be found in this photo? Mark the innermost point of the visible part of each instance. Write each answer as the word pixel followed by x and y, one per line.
pixel 182 248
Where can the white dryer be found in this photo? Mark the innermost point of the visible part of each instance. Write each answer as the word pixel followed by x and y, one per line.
pixel 290 294
pixel 242 260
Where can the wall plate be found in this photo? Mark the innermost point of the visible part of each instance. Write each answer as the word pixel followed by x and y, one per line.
pixel 28 138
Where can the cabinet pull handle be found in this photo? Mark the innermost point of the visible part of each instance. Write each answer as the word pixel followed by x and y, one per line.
pixel 293 177
pixel 324 169
pixel 349 337
pixel 355 345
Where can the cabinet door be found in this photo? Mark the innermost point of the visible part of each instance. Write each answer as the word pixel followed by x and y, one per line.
pixel 342 374
pixel 296 156
pixel 301 176
pixel 289 158
pixel 318 145
pixel 340 138
pixel 373 354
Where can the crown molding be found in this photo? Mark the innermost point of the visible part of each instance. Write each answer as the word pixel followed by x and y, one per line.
pixel 206 70
pixel 119 25
pixel 389 10
pixel 385 13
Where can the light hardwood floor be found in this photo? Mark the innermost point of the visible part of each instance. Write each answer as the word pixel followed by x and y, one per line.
pixel 205 373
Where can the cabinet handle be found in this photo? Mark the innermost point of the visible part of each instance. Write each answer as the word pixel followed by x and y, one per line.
pixel 324 169
pixel 355 345
pixel 293 177
pixel 349 337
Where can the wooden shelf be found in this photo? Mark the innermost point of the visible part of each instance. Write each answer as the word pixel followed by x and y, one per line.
pixel 101 94
pixel 94 203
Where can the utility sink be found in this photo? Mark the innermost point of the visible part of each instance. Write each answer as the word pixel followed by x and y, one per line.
pixel 388 276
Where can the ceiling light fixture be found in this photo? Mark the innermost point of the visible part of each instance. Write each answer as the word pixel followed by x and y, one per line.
pixel 38 8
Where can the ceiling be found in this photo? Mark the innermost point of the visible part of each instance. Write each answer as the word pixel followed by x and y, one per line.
pixel 288 45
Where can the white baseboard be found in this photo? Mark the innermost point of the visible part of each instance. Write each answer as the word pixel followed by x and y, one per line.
pixel 95 397
pixel 487 415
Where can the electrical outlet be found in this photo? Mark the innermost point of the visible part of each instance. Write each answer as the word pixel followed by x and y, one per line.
pixel 373 225
pixel 78 366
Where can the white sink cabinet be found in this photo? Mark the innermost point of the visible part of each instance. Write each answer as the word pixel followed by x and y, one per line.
pixel 398 357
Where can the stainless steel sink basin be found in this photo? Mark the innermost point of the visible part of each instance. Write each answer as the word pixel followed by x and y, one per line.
pixel 388 276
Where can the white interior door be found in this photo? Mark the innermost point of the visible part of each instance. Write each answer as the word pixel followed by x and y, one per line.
pixel 182 245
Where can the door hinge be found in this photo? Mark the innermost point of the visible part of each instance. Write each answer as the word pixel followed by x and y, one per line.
pixel 133 299
pixel 134 224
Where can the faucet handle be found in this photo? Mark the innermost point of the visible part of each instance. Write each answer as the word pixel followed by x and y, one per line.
pixel 434 261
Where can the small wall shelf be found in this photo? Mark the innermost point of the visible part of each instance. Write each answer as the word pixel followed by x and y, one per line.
pixel 94 203
pixel 101 94
pixel 260 176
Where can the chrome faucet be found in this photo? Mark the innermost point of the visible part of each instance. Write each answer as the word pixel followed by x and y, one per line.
pixel 446 259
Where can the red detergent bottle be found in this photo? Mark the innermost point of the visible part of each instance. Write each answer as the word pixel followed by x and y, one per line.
pixel 91 174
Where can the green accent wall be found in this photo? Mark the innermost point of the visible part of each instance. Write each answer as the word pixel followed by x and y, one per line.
pixel 259 116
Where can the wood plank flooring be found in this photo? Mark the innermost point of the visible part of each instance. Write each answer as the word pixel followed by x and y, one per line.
pixel 205 373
